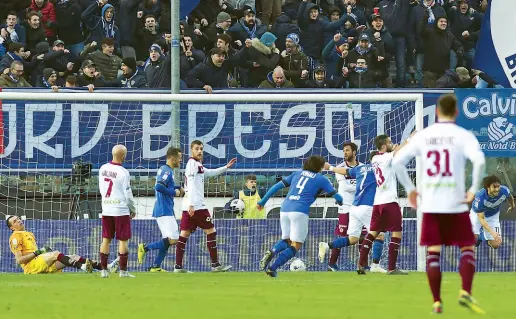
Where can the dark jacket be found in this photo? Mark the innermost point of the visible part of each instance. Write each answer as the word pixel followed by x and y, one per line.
pixel 154 9
pixel 48 16
pixel 95 25
pixel 84 80
pixel 438 44
pixel 395 14
pixel 209 37
pixel 136 80
pixel 8 58
pixel 158 73
pixel 188 63
pixel 209 9
pixel 386 49
pixel 127 21
pixel 144 40
pixel 466 22
pixel 361 80
pixel 270 84
pixel 417 13
pixel 451 80
pixel 312 31
pixel 332 59
pixel 34 36
pixel 267 58
pixel 207 73
pixel 69 22
pixel 20 31
pixel 370 55
pixel 239 32
pixel 293 65
pixel 281 28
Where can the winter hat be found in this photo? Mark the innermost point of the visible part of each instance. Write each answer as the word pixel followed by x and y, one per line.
pixel 319 68
pixel 48 72
pixel 294 37
pixel 268 39
pixel 130 62
pixel 364 36
pixel 292 14
pixel 155 47
pixel 223 16
pixel 42 47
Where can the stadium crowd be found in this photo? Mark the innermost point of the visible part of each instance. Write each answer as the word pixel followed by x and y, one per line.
pixel 242 43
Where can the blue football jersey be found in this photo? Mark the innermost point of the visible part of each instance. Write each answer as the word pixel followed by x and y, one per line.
pixel 305 186
pixel 366 184
pixel 164 205
pixel 490 206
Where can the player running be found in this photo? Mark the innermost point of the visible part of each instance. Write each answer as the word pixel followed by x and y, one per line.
pixel 305 186
pixel 195 212
pixel 386 214
pixel 117 210
pixel 443 148
pixel 360 212
pixel 485 211
pixel 163 210
pixel 34 260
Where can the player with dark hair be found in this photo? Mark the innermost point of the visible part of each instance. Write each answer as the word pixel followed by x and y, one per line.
pixel 195 211
pixel 43 260
pixel 304 188
pixel 444 148
pixel 485 211
pixel 163 211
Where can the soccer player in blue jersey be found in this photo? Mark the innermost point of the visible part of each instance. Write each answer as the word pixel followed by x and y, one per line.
pixel 485 211
pixel 361 211
pixel 163 210
pixel 305 186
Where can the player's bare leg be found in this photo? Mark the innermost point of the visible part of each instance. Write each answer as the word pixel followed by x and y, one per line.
pixel 180 251
pixel 433 272
pixel 104 256
pixel 494 244
pixel 283 258
pixel 467 271
pixel 211 243
pixel 394 248
pixel 123 254
pixel 61 261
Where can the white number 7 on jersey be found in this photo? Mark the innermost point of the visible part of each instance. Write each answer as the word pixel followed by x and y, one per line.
pixel 301 184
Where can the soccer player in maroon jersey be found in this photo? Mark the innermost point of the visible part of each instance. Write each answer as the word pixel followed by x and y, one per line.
pixel 444 148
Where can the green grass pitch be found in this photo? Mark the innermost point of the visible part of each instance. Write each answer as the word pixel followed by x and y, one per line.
pixel 246 295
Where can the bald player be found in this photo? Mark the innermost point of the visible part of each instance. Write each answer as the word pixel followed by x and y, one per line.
pixel 117 210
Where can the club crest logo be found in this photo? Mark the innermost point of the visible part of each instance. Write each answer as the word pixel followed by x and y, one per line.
pixel 500 130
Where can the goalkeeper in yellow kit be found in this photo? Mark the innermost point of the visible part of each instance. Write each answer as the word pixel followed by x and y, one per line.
pixel 43 260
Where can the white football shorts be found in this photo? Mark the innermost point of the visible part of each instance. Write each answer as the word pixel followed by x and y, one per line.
pixel 294 226
pixel 492 221
pixel 344 209
pixel 168 227
pixel 359 216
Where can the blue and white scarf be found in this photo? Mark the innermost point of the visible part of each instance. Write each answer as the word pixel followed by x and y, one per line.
pixel 249 31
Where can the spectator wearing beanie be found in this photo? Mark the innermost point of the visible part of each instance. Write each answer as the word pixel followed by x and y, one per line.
pixel 68 20
pixel 367 51
pixel 313 27
pixel 35 33
pixel 415 45
pixel 208 36
pixel 381 39
pixel 48 79
pixel 451 79
pixel 247 28
pixel 14 78
pixel 334 55
pixel 47 14
pixel 106 62
pixel 157 68
pixel 146 37
pixel 211 74
pixel 438 44
pixel 283 27
pixel 293 61
pixel 465 24
pixel 131 77
pixel 260 57
pixel 189 57
pixel 101 27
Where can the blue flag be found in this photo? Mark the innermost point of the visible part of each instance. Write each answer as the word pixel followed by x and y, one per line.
pixel 186 7
pixel 496 49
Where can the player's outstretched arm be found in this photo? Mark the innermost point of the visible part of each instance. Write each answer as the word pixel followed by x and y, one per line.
pixel 485 225
pixel 510 199
pixel 399 163
pixel 220 170
pixel 338 170
pixel 274 189
pixel 398 148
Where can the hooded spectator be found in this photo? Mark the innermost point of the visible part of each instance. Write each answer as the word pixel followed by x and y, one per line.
pixel 48 79
pixel 208 36
pixel 101 27
pixel 361 77
pixel 211 74
pixel 381 39
pixel 131 77
pixel 415 41
pixel 451 79
pixel 106 62
pixel 189 57
pixel 146 37
pixel 293 61
pixel 11 31
pixel 282 28
pixel 438 44
pixel 335 54
pixel 14 78
pixel 68 14
pixel 313 27
pixel 319 79
pixel 276 80
pixel 334 14
pixel 260 57
pixel 35 33
pixel 47 16
pixel 247 28
pixel 465 24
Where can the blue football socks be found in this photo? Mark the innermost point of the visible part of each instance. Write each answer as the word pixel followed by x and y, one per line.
pixel 283 257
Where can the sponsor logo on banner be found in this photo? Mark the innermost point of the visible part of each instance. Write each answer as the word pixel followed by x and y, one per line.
pixel 490 115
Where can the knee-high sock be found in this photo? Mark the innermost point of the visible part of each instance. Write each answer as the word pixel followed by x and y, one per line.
pixel 433 272
pixel 123 261
pixel 283 257
pixel 339 242
pixel 156 245
pixel 394 248
pixel 377 251
pixel 180 250
pixel 279 246
pixel 367 244
pixel 211 243
pixel 334 256
pixel 103 260
pixel 162 253
pixel 467 269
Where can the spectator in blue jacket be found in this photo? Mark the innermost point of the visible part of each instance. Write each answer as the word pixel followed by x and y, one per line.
pixel 103 26
pixel 313 27
pixel 334 14
pixel 350 7
pixel 11 31
pixel 334 55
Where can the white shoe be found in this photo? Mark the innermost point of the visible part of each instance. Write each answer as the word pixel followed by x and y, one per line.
pixel 323 250
pixel 113 266
pixel 104 273
pixel 378 269
pixel 125 273
pixel 221 268
pixel 181 271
